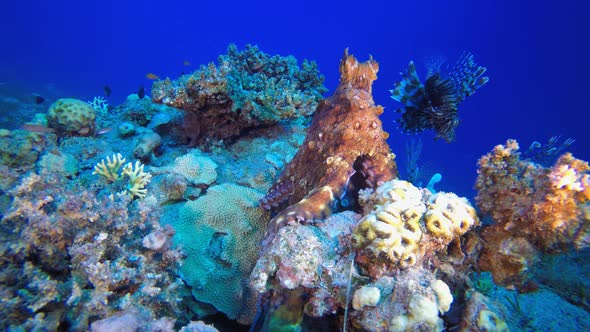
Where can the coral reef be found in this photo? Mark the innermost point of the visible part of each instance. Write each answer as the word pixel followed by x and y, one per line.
pixel 245 90
pixel 21 149
pixel 72 117
pixel 307 270
pixel 403 225
pixel 70 257
pixel 345 148
pixel 212 231
pixel 535 209
pixel 434 104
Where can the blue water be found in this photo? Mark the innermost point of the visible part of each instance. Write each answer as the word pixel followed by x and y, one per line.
pixel 534 51
pixel 536 54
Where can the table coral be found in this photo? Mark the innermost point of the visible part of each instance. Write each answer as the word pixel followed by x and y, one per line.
pixel 345 139
pixel 535 209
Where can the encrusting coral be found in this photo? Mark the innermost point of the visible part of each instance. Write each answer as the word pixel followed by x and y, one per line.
pixel 219 232
pixel 535 209
pixel 345 150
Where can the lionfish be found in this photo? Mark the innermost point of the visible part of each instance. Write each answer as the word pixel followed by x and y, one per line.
pixel 434 104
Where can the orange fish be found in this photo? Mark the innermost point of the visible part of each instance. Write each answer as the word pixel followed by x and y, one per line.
pixel 152 76
pixel 34 128
pixel 186 63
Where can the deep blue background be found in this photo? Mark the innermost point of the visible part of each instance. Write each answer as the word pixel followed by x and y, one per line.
pixel 535 51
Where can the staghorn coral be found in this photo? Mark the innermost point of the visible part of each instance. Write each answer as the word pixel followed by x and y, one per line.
pixel 403 224
pixel 138 179
pixel 245 90
pixel 211 231
pixel 345 147
pixel 434 104
pixel 70 257
pixel 534 209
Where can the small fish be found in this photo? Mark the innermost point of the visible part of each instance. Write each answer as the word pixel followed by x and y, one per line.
pixel 152 76
pixel 38 99
pixel 107 91
pixel 141 92
pixel 103 131
pixel 55 152
pixel 34 128
pixel 186 63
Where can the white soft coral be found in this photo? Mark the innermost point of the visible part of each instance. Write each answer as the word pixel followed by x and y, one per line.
pixel 566 176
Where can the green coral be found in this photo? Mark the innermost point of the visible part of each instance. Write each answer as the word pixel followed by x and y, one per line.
pixel 245 90
pixel 219 233
pixel 271 87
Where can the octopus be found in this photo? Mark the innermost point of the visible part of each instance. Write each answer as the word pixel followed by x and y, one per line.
pixel 345 148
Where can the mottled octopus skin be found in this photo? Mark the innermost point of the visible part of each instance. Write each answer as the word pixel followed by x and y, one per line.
pixel 345 128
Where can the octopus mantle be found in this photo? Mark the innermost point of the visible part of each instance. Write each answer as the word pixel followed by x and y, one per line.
pixel 345 139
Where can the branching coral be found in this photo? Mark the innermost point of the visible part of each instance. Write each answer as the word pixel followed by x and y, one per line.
pixel 110 169
pixel 535 208
pixel 246 89
pixel 434 104
pixel 138 178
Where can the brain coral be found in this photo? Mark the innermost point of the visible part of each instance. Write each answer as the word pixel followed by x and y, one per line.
pixel 196 168
pixel 72 117
pixel 402 223
pixel 220 232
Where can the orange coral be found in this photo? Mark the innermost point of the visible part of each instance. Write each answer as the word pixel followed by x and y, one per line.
pixel 545 207
pixel 345 138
